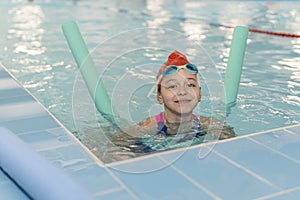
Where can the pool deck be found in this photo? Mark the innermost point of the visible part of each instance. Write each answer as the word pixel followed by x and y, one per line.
pixel 263 165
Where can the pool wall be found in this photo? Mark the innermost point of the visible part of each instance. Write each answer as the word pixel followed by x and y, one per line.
pixel 263 165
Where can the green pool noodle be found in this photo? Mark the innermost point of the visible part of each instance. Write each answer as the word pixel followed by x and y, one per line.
pixel 235 63
pixel 87 68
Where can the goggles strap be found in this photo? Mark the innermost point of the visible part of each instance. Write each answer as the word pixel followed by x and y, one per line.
pixel 154 86
pixel 161 76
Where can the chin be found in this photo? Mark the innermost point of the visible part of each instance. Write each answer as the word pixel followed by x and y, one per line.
pixel 185 111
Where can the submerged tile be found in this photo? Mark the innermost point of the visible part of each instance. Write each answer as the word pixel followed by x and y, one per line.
pixel 3 74
pixel 3 177
pixel 15 99
pixel 262 162
pixel 9 87
pixel 220 177
pixel 20 110
pixel 94 179
pixel 281 141
pixel 47 139
pixel 11 191
pixel 7 83
pixel 289 194
pixel 69 158
pixel 12 93
pixel 118 193
pixel 159 182
pixel 295 130
pixel 30 124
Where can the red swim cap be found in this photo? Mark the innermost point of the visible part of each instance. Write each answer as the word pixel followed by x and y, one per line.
pixel 175 58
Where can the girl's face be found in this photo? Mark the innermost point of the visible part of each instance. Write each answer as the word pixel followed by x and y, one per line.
pixel 180 93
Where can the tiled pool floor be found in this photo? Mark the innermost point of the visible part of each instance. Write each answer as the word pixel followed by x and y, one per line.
pixel 263 165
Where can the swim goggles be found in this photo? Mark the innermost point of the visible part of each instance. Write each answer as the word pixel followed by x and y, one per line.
pixel 173 69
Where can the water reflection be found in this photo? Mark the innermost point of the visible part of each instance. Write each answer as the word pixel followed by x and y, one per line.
pixel 26 30
pixel 292 66
pixel 25 40
pixel 160 15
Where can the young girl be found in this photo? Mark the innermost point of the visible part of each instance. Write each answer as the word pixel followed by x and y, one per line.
pixel 178 89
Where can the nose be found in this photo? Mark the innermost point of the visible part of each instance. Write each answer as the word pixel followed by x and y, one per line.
pixel 182 90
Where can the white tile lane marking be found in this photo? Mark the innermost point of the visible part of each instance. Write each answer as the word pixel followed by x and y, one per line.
pixel 275 151
pixel 248 171
pixel 277 194
pixel 194 182
pixel 109 191
pixel 291 132
pixel 123 185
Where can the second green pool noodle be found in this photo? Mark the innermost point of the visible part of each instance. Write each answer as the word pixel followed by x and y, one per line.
pixel 235 63
pixel 87 67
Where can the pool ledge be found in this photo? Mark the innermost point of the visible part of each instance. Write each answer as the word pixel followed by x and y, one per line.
pixel 264 165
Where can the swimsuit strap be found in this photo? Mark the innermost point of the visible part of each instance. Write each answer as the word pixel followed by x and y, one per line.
pixel 162 128
pixel 159 117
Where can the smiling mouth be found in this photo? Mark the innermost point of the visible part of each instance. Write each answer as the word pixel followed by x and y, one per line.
pixel 183 101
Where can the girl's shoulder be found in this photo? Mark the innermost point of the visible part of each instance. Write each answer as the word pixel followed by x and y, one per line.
pixel 210 120
pixel 206 120
pixel 149 122
pixel 217 127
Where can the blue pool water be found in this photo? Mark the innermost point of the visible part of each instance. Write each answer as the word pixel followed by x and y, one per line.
pixel 35 51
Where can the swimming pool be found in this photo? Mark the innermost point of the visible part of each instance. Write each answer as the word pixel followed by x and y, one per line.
pixel 36 53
